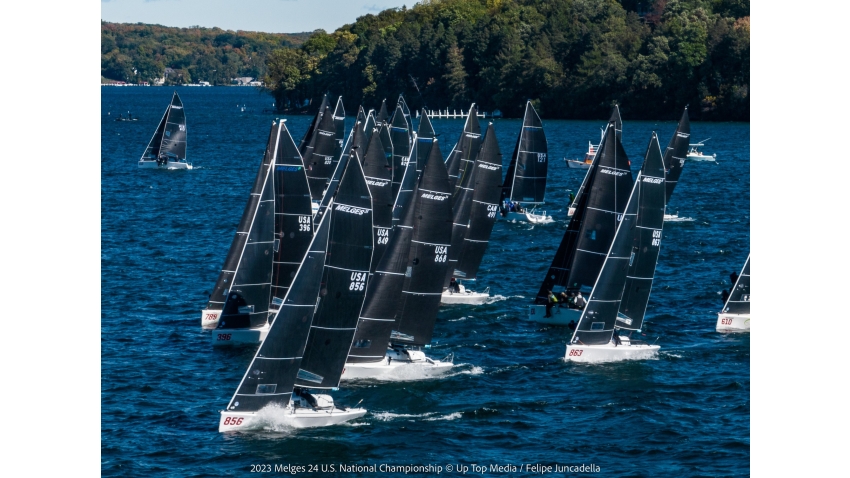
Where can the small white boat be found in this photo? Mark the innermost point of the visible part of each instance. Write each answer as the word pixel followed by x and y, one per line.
pixel 588 158
pixel 735 316
pixel 626 349
pixel 167 147
pixel 299 413
pixel 695 155
pixel 527 216
pixel 399 363
pixel 464 296
pixel 241 336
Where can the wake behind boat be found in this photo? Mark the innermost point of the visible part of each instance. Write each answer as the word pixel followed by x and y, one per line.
pixel 167 147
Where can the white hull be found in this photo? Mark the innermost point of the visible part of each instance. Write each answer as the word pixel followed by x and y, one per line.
pixel 275 418
pixel 225 337
pixel 560 315
pixel 398 366
pixel 702 157
pixel 733 322
pixel 210 318
pixel 610 352
pixel 169 165
pixel 571 211
pixel 575 164
pixel 527 217
pixel 465 296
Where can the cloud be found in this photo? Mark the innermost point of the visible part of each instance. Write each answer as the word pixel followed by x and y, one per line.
pixel 373 8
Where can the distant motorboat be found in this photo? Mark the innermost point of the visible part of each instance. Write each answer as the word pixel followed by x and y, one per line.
pixel 695 154
pixel 588 158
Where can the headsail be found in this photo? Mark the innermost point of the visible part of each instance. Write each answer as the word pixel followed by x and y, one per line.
pixel 485 204
pixel 425 136
pixel 677 152
pixel 270 377
pixel 321 160
pixel 739 299
pixel 343 283
pixel 647 239
pixel 309 136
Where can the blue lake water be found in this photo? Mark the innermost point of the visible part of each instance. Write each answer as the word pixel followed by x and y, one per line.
pixel 512 400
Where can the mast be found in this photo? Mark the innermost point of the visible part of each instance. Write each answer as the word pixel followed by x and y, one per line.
pixel 530 161
pixel 677 152
pixel 591 229
pixel 240 239
pixel 270 377
pixel 739 298
pixel 293 216
pixel 484 206
pixel 647 238
pixel 344 282
pixel 464 151
pixel 426 265
pixel 246 303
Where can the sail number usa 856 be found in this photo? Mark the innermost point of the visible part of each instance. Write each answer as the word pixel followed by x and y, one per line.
pixel 358 281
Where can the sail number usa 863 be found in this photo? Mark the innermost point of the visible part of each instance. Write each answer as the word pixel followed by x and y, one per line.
pixel 656 238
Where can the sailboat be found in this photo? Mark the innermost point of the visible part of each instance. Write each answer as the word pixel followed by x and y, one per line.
pixel 464 152
pixel 621 292
pixel 735 316
pixel 267 394
pixel 400 310
pixel 478 205
pixel 589 233
pixel 249 257
pixel 322 154
pixel 167 147
pixel 525 181
pixel 379 176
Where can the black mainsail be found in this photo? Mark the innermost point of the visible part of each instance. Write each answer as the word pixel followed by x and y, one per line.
pixel 383 115
pixel 739 299
pixel 426 265
pixel 293 225
pixel 169 140
pixel 425 137
pixel 240 239
pixel 677 152
pixel 344 282
pixel 484 206
pixel 526 177
pixel 246 302
pixel 617 122
pixel 270 377
pixel 651 191
pixel 310 134
pixel 379 179
pixel 464 151
pixel 591 229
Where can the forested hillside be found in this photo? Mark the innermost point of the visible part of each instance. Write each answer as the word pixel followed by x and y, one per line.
pixel 139 52
pixel 573 58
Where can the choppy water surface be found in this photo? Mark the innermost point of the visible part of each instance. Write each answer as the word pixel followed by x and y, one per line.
pixel 512 400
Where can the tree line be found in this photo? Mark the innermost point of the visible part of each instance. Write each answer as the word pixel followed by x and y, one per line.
pixel 140 52
pixel 572 58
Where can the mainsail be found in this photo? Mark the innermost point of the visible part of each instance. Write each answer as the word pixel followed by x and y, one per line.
pixel 343 283
pixel 591 230
pixel 310 134
pixel 237 247
pixel 247 301
pixel 426 266
pixel 270 377
pixel 425 137
pixel 651 189
pixel 484 206
pixel 739 299
pixel 526 178
pixel 400 136
pixel 293 228
pixel 378 177
pixel 320 159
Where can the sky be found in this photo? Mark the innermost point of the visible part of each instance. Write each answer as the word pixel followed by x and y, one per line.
pixel 272 16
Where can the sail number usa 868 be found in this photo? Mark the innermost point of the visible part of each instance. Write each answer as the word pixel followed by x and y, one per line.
pixel 440 253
